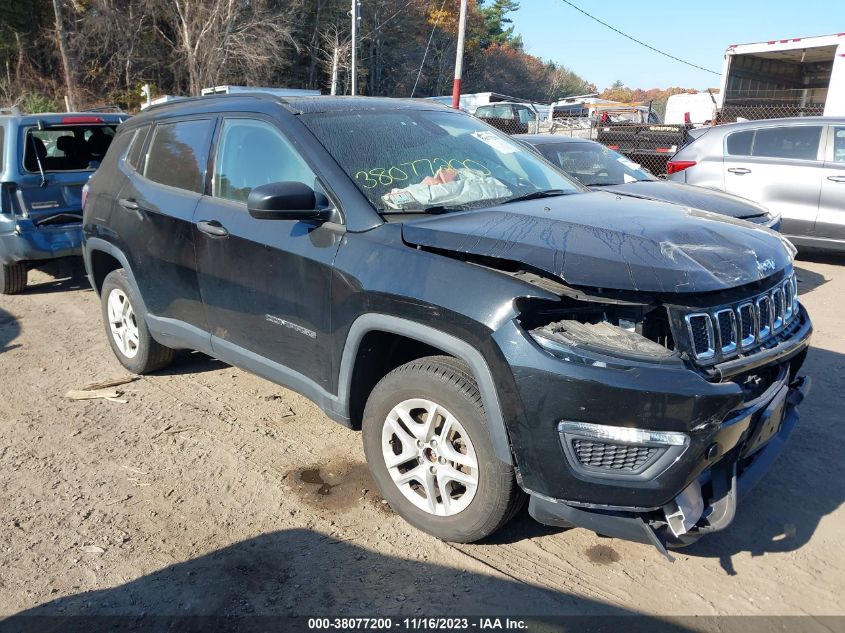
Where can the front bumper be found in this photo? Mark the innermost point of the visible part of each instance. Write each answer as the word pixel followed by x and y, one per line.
pixel 730 433
pixel 712 410
pixel 721 485
pixel 30 243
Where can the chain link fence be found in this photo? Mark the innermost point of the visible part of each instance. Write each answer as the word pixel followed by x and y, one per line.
pixel 649 144
pixel 768 109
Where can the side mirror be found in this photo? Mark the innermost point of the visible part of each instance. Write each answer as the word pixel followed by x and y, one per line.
pixel 285 201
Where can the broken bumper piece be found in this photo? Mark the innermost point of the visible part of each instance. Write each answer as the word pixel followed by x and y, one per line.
pixel 708 503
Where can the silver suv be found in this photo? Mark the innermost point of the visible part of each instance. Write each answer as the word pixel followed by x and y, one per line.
pixel 794 167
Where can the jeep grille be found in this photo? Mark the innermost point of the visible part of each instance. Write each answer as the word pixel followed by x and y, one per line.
pixel 726 331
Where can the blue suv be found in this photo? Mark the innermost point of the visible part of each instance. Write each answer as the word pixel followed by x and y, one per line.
pixel 45 160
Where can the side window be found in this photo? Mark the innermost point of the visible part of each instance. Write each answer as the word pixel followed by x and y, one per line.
pixel 252 153
pixel 499 111
pixel 799 142
pixel 525 115
pixel 134 158
pixel 2 146
pixel 739 143
pixel 178 154
pixel 838 144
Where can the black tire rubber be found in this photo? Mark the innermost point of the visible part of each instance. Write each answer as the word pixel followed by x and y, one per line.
pixel 13 278
pixel 151 355
pixel 450 383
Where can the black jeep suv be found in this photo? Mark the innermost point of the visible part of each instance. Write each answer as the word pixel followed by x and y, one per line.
pixel 495 328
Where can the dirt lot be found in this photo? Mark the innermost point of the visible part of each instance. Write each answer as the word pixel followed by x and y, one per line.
pixel 211 491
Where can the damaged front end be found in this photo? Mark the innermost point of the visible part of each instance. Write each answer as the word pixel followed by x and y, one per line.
pixel 652 414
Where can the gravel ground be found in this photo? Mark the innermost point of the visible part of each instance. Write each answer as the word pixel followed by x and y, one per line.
pixel 211 491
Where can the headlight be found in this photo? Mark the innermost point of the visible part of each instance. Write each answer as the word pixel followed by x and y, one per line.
pixel 568 338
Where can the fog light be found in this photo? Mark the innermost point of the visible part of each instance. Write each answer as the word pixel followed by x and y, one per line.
pixel 623 434
pixel 616 452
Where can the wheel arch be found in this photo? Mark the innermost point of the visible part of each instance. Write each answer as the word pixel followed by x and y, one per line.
pixel 440 343
pixel 101 258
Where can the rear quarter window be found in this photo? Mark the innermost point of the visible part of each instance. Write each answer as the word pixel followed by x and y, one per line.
pixel 178 154
pixel 739 143
pixel 134 158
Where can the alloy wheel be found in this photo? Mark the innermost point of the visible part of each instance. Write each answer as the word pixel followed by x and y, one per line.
pixel 430 457
pixel 124 329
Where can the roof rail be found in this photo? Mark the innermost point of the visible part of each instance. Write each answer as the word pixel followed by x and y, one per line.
pixel 178 101
pixel 105 108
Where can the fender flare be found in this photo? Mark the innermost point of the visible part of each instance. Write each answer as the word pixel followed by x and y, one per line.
pixel 375 322
pixel 99 244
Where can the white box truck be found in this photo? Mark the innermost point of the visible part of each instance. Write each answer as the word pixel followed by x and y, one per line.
pixel 798 76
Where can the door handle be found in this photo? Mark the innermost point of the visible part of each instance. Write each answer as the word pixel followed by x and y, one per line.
pixel 129 203
pixel 740 171
pixel 213 228
pixel 836 178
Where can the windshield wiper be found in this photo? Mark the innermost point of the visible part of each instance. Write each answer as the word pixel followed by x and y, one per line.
pixel 546 193
pixel 433 210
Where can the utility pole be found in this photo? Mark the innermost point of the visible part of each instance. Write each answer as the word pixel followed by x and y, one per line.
pixel 356 6
pixel 60 31
pixel 335 59
pixel 459 58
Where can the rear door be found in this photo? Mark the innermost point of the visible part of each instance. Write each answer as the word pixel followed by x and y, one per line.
pixel 779 167
pixel 265 283
pixel 830 223
pixel 62 153
pixel 154 213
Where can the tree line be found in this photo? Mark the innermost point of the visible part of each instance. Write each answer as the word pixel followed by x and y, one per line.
pixel 102 51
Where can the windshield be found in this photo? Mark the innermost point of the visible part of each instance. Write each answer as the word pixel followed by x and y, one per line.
pixel 407 160
pixel 593 164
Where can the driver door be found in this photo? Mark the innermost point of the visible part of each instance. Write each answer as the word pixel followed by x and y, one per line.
pixel 265 284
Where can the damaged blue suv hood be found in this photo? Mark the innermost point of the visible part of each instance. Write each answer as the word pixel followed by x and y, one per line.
pixel 606 241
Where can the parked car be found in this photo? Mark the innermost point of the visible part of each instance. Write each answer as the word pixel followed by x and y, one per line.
pixel 510 117
pixel 420 274
pixel 598 167
pixel 45 159
pixel 794 167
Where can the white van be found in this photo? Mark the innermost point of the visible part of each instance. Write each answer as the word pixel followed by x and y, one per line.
pixel 700 107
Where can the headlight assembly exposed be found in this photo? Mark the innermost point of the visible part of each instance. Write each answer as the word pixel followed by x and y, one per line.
pixel 569 336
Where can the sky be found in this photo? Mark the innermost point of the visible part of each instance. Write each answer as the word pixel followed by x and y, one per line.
pixel 697 31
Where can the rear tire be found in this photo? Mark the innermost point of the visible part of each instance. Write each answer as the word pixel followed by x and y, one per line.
pixel 429 450
pixel 126 327
pixel 13 278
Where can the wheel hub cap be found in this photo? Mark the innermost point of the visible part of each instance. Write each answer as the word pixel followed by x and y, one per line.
pixel 124 329
pixel 430 457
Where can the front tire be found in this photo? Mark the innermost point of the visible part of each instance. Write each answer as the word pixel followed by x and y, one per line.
pixel 13 278
pixel 429 450
pixel 126 327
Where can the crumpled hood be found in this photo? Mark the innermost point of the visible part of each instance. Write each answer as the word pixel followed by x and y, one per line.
pixel 690 196
pixel 606 241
